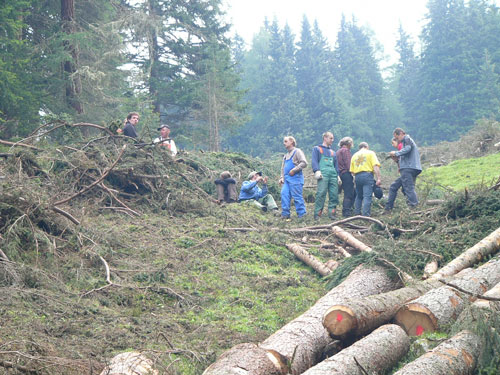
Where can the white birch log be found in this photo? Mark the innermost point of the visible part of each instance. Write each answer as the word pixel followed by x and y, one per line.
pixel 469 257
pixel 373 354
pixel 350 239
pixel 309 259
pixel 457 356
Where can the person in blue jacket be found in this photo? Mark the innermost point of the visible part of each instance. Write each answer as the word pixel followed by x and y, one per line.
pixel 409 169
pixel 251 192
pixel 292 178
pixel 326 171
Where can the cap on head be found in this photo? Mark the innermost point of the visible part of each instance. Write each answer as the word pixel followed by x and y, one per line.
pixel 252 174
pixel 163 126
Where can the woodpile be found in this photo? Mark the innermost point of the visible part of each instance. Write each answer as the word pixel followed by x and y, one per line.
pixel 361 305
pixel 301 342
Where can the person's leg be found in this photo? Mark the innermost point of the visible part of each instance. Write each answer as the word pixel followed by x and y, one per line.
pixel 333 195
pixel 220 192
pixel 367 194
pixel 285 200
pixel 348 188
pixel 408 178
pixel 232 193
pixel 268 201
pixel 298 199
pixel 359 196
pixel 319 201
pixel 393 192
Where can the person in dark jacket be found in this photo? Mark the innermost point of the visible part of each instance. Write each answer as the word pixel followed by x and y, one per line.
pixel 409 168
pixel 129 129
pixel 344 164
pixel 325 168
pixel 226 188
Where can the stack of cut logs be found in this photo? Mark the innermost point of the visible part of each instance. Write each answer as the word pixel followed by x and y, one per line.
pixel 323 339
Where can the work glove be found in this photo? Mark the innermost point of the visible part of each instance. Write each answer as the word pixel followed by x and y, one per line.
pixel 318 175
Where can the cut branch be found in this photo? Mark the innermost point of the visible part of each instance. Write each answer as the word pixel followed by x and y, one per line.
pixel 309 259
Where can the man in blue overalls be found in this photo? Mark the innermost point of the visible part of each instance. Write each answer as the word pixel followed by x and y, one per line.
pixel 325 168
pixel 292 179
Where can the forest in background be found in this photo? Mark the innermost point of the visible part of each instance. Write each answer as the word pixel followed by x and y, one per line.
pixel 94 61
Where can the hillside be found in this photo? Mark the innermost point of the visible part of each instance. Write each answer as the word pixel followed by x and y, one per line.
pixel 109 249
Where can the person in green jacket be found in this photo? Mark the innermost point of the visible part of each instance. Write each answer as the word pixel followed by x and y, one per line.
pixel 325 168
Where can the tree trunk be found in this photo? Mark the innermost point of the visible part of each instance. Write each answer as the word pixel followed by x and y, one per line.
pixel 359 316
pixel 488 304
pixel 350 239
pixel 73 84
pixel 482 310
pixel 130 363
pixel 373 354
pixel 309 259
pixel 302 341
pixel 430 268
pixel 248 359
pixel 442 305
pixel 457 356
pixel 468 258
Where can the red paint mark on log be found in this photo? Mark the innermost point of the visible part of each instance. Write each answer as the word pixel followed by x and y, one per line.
pixel 339 317
pixel 420 330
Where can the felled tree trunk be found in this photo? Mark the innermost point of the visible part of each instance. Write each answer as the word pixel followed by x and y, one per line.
pixel 442 305
pixel 489 304
pixel 475 254
pixel 457 356
pixel 373 354
pixel 430 268
pixel 302 341
pixel 483 309
pixel 130 363
pixel 248 359
pixel 357 317
pixel 309 259
pixel 350 239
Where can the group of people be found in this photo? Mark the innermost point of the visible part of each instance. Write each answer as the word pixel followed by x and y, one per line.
pixel 358 174
pixel 163 140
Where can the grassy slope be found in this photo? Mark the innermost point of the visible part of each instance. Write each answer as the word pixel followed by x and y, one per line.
pixel 188 289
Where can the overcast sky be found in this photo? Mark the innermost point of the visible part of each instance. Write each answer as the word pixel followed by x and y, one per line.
pixel 382 16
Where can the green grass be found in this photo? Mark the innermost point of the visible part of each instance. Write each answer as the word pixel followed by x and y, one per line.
pixel 465 173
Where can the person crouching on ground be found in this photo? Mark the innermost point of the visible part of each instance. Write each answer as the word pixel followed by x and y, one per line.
pixel 344 164
pixel 251 192
pixel 325 168
pixel 164 139
pixel 292 179
pixel 364 164
pixel 226 188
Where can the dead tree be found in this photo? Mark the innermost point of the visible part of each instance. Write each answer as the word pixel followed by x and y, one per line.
pixel 457 356
pixel 469 257
pixel 373 354
pixel 302 342
pixel 442 305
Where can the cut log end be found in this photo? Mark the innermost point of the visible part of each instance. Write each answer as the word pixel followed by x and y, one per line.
pixel 416 320
pixel 339 320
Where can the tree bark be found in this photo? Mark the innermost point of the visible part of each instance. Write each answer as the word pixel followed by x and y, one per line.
pixel 350 239
pixel 457 356
pixel 130 363
pixel 309 259
pixel 373 354
pixel 442 305
pixel 302 341
pixel 430 268
pixel 468 258
pixel 357 317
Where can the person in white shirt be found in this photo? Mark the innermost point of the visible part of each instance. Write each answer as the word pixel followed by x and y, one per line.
pixel 164 139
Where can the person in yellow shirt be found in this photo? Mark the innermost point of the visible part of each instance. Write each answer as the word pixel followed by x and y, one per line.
pixel 364 164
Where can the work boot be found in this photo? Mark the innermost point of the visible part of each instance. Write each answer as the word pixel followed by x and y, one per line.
pixel 331 214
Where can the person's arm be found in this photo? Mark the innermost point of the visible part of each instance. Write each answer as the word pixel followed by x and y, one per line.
pixel 282 177
pixel 336 162
pixel 315 159
pixel 376 169
pixel 247 186
pixel 299 159
pixel 407 146
pixel 173 148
